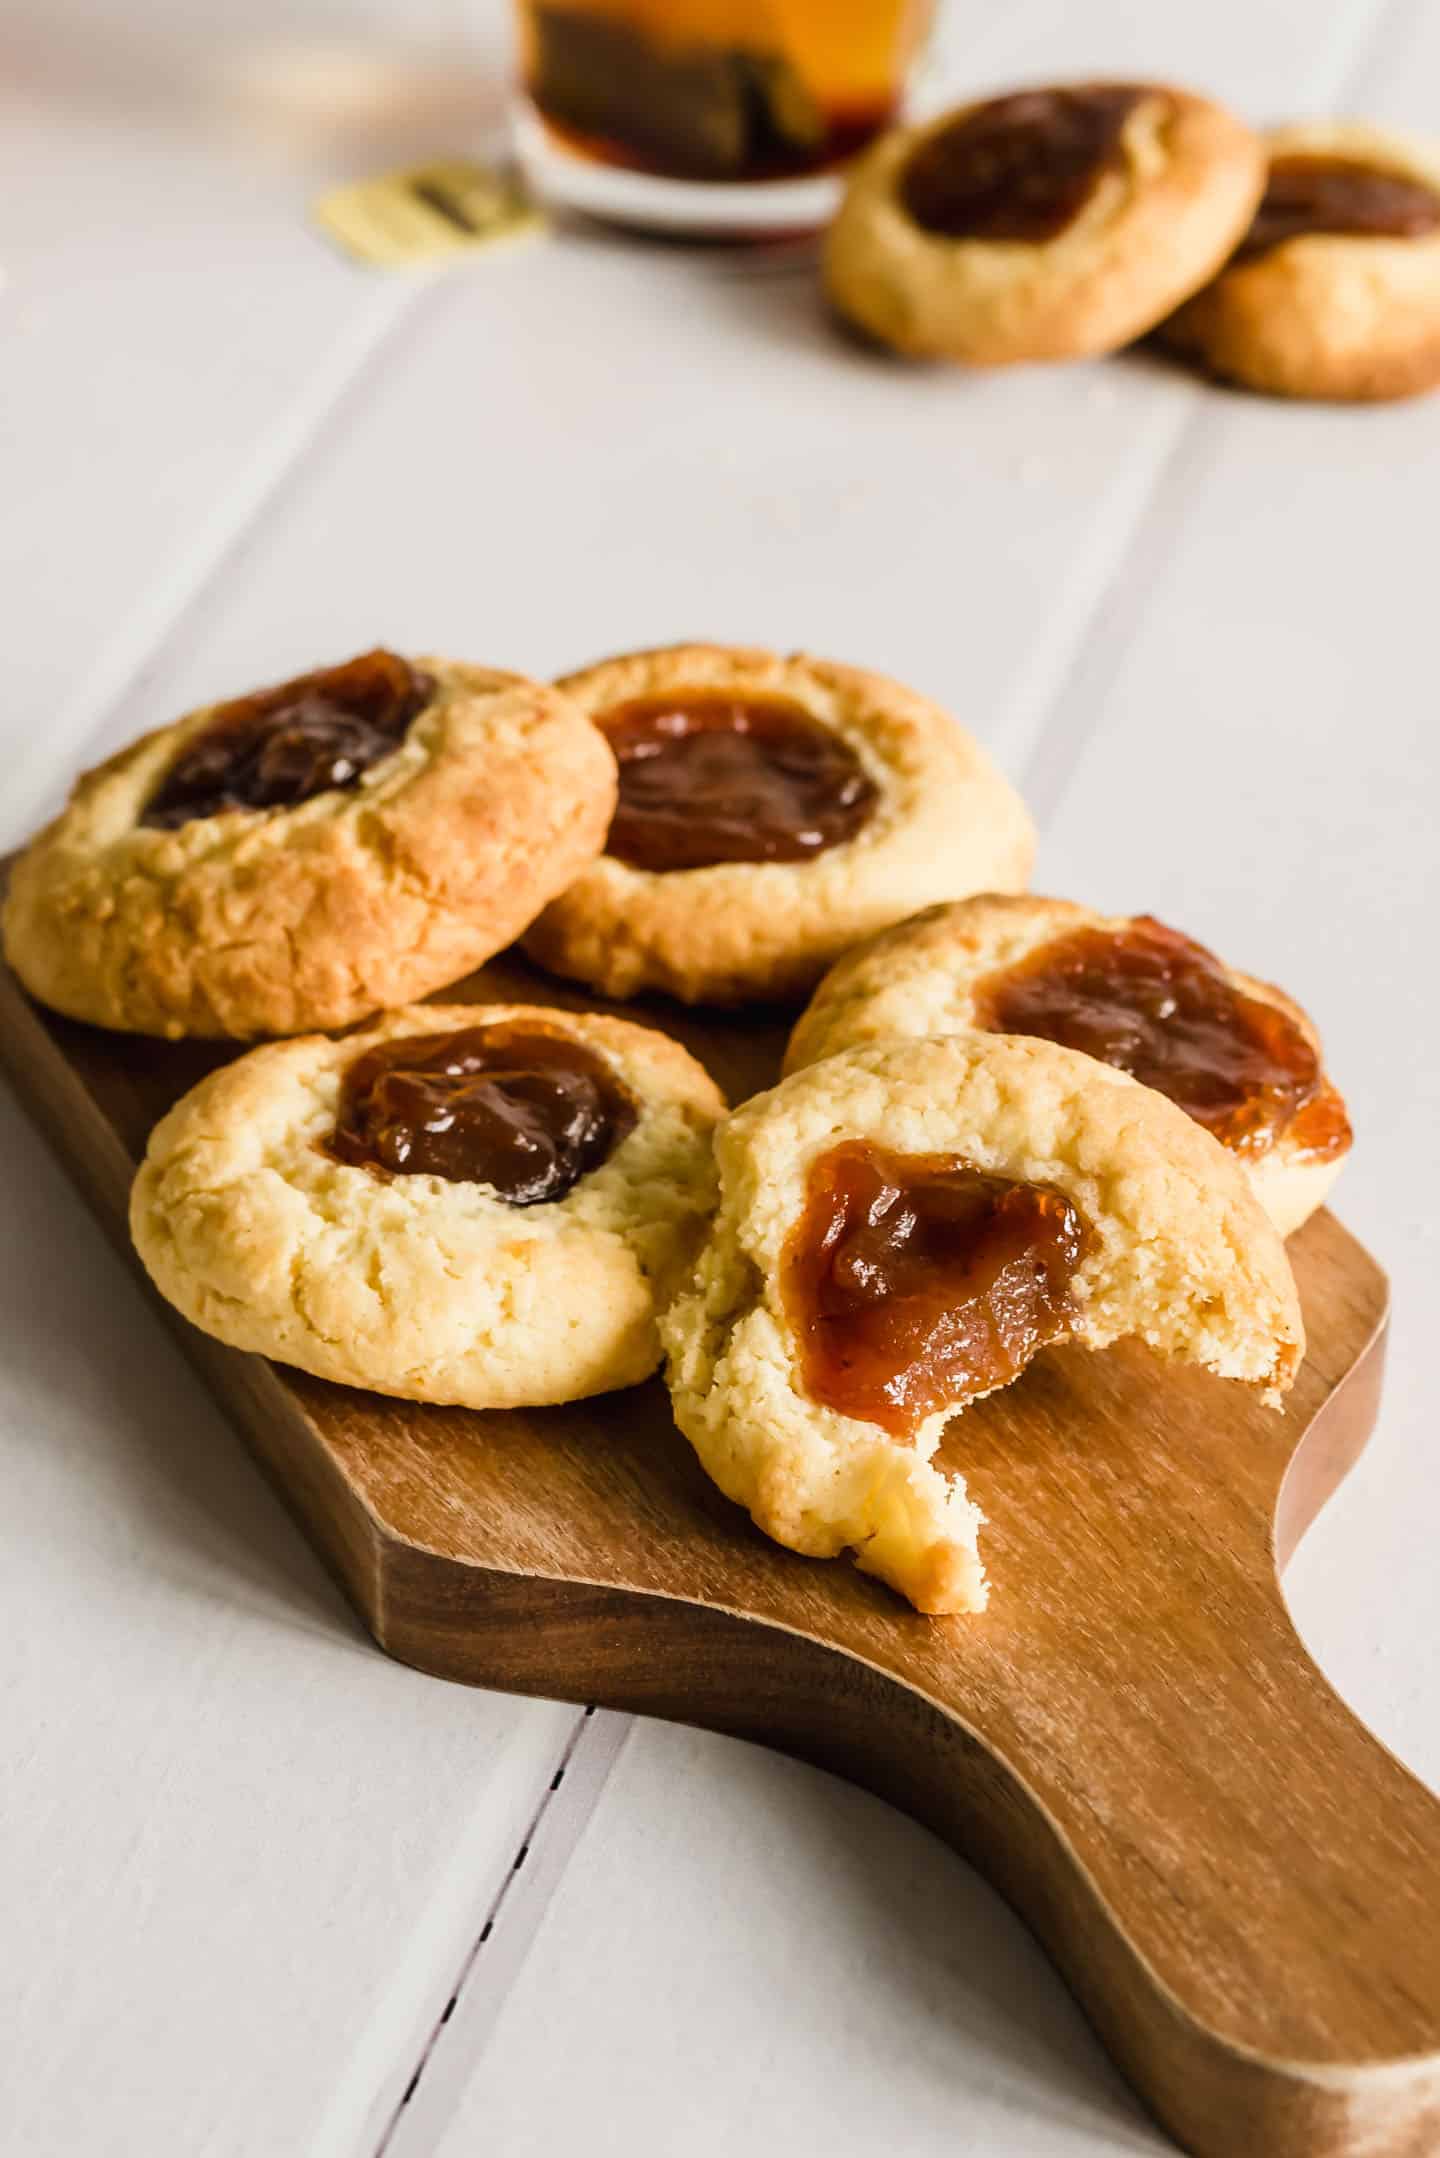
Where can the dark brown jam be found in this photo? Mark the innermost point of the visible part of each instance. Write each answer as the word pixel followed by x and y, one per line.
pixel 512 1105
pixel 915 1282
pixel 1021 167
pixel 281 746
pixel 1339 195
pixel 1162 1008
pixel 706 777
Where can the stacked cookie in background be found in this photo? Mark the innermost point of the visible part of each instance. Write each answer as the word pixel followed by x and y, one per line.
pixel 1007 1122
pixel 1055 224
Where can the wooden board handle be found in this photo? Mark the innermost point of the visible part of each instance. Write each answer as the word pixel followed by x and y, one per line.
pixel 1260 1957
pixel 1240 1884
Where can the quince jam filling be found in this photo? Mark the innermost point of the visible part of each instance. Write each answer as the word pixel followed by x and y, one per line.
pixel 514 1106
pixel 709 777
pixel 1162 1008
pixel 1018 168
pixel 1339 195
pixel 915 1282
pixel 281 746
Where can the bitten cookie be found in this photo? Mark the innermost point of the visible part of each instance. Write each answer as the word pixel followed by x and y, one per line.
pixel 474 1204
pixel 1046 225
pixel 771 811
pixel 900 1230
pixel 1335 291
pixel 303 856
pixel 1236 1054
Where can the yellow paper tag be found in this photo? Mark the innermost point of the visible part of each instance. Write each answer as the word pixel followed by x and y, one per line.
pixel 428 211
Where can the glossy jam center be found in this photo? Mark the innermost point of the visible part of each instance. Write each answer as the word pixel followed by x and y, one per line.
pixel 1340 196
pixel 280 746
pixel 527 1111
pixel 1162 1008
pixel 914 1282
pixel 1021 167
pixel 709 778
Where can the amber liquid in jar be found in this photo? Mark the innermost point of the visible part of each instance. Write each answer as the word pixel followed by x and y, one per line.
pixel 719 90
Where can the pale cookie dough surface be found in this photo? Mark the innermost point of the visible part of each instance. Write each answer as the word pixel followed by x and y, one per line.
pixel 274 921
pixel 1180 1255
pixel 1151 232
pixel 415 1285
pixel 922 977
pixel 947 822
pixel 1327 315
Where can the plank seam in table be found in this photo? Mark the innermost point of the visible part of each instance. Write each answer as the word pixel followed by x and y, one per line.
pixel 561 1820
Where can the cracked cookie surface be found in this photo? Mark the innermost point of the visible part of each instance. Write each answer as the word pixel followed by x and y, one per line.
pixel 420 1285
pixel 272 921
pixel 1178 1253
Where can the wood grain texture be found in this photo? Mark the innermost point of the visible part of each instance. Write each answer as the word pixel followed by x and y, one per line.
pixel 1238 1881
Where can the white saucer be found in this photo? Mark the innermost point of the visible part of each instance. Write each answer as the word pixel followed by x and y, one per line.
pixel 715 209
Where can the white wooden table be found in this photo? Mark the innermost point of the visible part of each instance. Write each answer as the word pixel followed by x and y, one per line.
pixel 246 1864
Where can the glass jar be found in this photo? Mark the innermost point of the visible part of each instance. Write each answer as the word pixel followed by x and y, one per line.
pixel 708 115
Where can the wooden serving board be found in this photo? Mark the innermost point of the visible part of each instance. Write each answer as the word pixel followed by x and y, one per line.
pixel 1239 1882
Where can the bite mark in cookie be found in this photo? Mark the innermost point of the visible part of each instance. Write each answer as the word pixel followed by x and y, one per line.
pixel 1053 1198
pixel 917 1282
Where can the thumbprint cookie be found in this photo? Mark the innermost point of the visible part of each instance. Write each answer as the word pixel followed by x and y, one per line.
pixel 901 1229
pixel 306 855
pixel 1046 225
pixel 474 1204
pixel 1335 290
pixel 771 811
pixel 1237 1055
